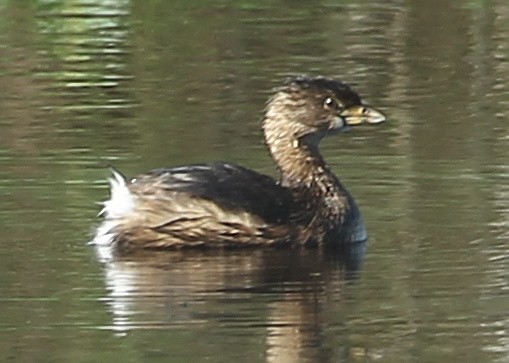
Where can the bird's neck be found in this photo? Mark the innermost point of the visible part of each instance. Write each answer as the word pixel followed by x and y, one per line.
pixel 303 170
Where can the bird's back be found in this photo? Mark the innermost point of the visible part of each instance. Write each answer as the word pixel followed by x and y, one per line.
pixel 232 186
pixel 213 205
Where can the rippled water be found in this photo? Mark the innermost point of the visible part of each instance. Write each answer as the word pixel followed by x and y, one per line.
pixel 141 84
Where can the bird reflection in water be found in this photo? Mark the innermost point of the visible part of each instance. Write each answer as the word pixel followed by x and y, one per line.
pixel 288 292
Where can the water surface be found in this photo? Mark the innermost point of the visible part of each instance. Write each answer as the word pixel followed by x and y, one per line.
pixel 142 84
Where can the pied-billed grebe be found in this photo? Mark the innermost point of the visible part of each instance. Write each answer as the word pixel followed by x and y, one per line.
pixel 227 205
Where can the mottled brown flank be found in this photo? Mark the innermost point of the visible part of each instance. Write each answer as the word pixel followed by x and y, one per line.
pixel 225 205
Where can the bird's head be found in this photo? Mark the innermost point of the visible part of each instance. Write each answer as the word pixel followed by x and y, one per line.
pixel 313 107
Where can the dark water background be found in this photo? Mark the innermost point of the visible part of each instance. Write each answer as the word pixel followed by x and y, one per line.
pixel 140 84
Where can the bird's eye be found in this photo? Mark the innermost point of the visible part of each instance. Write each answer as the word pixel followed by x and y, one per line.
pixel 329 102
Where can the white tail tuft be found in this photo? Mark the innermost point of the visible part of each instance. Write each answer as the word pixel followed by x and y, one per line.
pixel 120 205
pixel 121 202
